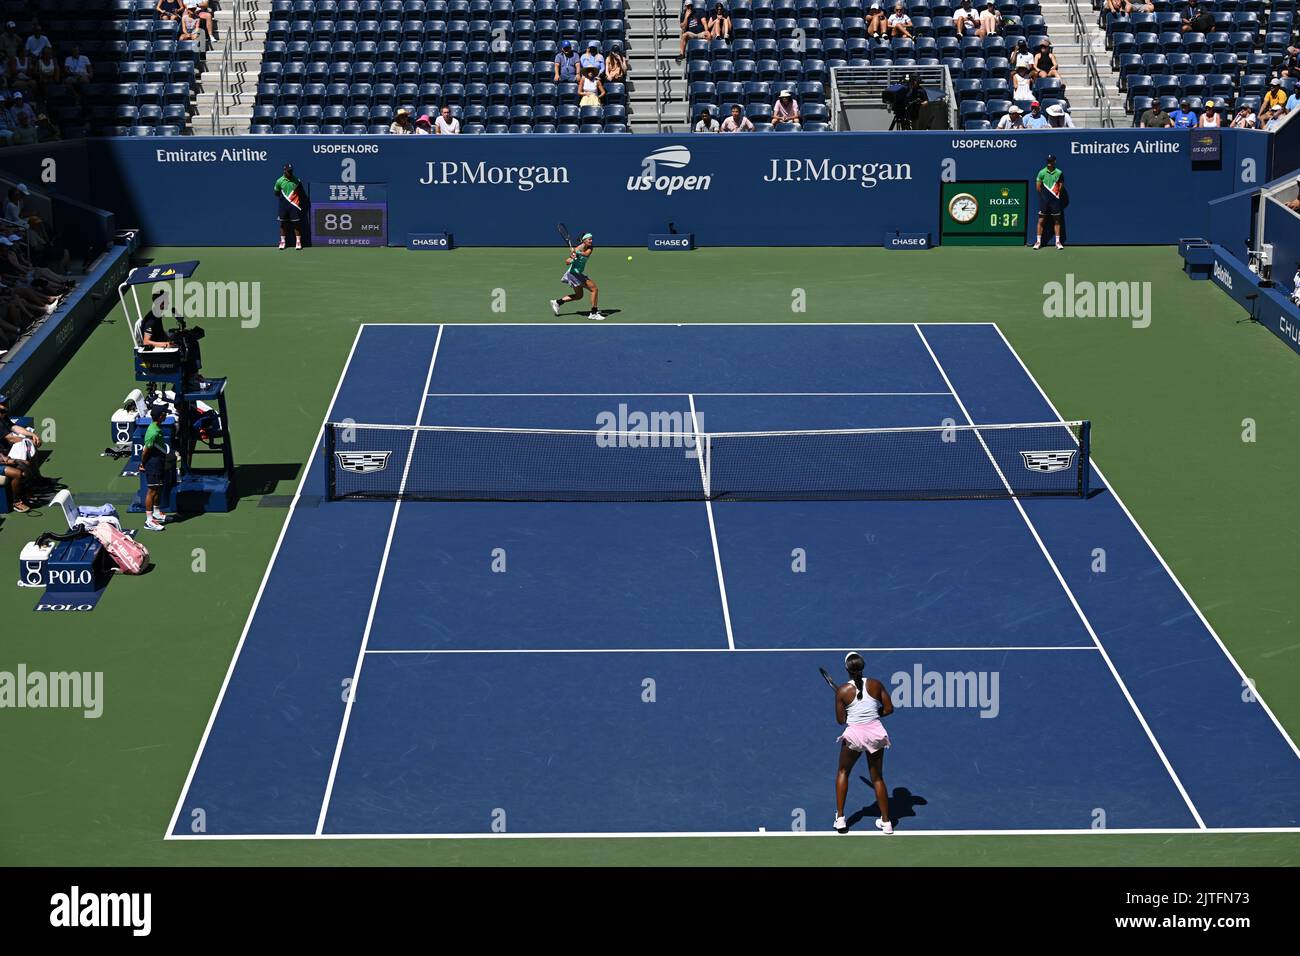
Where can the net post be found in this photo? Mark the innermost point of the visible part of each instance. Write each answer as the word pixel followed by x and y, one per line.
pixel 330 489
pixel 1085 457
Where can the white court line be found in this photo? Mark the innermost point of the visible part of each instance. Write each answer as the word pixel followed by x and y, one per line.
pixel 266 576
pixel 374 601
pixel 632 325
pixel 1159 557
pixel 743 834
pixel 1068 592
pixel 635 394
pixel 718 650
pixel 701 450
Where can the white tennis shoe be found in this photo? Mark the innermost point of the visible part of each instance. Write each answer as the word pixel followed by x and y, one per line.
pixel 841 825
pixel 884 826
pixel 595 316
pixel 555 306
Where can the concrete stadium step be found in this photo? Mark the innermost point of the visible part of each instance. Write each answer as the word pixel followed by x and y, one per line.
pixel 248 37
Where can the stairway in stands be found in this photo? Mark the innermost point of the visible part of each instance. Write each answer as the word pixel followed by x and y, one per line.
pixel 248 38
pixel 1070 55
pixel 645 32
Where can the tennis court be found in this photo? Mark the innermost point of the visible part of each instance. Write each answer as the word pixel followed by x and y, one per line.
pixel 628 667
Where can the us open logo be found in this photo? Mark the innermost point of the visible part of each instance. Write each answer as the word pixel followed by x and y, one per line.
pixel 669 157
pixel 363 462
pixel 1047 462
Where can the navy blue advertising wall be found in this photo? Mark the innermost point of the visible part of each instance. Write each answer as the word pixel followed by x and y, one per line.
pixel 1126 186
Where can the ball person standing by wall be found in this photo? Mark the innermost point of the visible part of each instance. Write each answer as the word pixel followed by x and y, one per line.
pixel 293 200
pixel 1051 188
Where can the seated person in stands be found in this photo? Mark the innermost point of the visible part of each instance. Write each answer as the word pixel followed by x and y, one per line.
pixel 1045 63
pixel 169 9
pixel 1294 204
pixel 1116 8
pixel 615 65
pixel 1184 117
pixel 900 24
pixel 718 23
pixel 593 57
pixel 1245 119
pixel 785 109
pixel 1210 118
pixel 1021 56
pixel 966 20
pixel 26 133
pixel 1036 119
pixel 20 70
pixel 446 124
pixel 590 89
pixel 990 20
pixel 1022 87
pixel 877 22
pixel 10 429
pixel 693 28
pixel 17 471
pixel 1013 119
pixel 16 317
pixel 1275 119
pixel 1058 118
pixel 402 123
pixel 1276 96
pixel 737 122
pixel 706 123
pixel 77 71
pixel 191 25
pixel 200 10
pixel 1196 20
pixel 1156 117
pixel 40 292
pixel 10 41
pixel 47 71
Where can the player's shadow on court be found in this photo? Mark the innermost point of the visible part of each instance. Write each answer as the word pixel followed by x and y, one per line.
pixel 582 313
pixel 902 804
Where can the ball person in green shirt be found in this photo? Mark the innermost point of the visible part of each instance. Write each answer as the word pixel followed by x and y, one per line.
pixel 153 461
pixel 1051 183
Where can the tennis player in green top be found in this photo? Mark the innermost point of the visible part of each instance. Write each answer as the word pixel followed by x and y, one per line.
pixel 575 276
pixel 1051 182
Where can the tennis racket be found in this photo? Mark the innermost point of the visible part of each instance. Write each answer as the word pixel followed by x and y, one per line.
pixel 828 678
pixel 564 234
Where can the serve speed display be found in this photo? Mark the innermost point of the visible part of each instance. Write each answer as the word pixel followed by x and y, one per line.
pixel 349 224
pixel 984 213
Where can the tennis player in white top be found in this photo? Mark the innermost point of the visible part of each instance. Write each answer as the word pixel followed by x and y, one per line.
pixel 859 705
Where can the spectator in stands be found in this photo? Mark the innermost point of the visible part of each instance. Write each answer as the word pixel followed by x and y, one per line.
pixel 25 133
pixel 47 71
pixel 1196 20
pixel 966 20
pixel 1245 118
pixel 719 23
pixel 1144 6
pixel 615 65
pixel 593 58
pixel 1184 117
pixel 10 41
pixel 877 22
pixel 1014 118
pixel 1021 55
pixel 1156 117
pixel 402 124
pixel 446 124
pixel 39 288
pixel 1210 118
pixel 1276 96
pixel 786 109
pixel 1045 64
pixel 737 122
pixel 37 42
pixel 169 9
pixel 1036 119
pixel 200 8
pixel 424 126
pixel 566 64
pixel 900 24
pixel 693 28
pixel 590 90
pixel 20 70
pixel 77 71
pixel 1293 100
pixel 15 469
pixel 1275 119
pixel 1116 8
pixel 191 25
pixel 6 127
pixel 706 123
pixel 1058 118
pixel 1294 204
pixel 990 20
pixel 1022 87
pixel 1290 59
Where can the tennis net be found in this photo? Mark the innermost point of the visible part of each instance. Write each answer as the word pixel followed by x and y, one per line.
pixel 443 463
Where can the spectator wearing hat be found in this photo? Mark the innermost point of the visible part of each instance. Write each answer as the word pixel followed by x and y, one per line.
pixel 615 65
pixel 77 71
pixel 591 91
pixel 402 124
pixel 1275 119
pixel 785 109
pixel 1184 117
pixel 1245 119
pixel 1050 185
pixel 566 64
pixel 191 25
pixel 877 21
pixel 1058 118
pixel 1014 118
pixel 593 58
pixel 900 24
pixel 1021 56
pixel 966 20
pixel 1210 118
pixel 1022 86
pixel 1045 64
pixel 719 22
pixel 10 41
pixel 1196 20
pixel 737 122
pixel 424 126
pixel 19 108
pixel 990 20
pixel 706 123
pixel 1036 119
pixel 1276 96
pixel 1156 117
pixel 446 124
pixel 693 28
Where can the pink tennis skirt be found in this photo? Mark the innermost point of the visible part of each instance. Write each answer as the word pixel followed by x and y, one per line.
pixel 865 738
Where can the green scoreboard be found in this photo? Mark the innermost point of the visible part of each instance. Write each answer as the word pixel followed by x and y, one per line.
pixel 984 213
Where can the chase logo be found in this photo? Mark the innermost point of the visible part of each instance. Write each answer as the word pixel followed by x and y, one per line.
pixel 667 158
pixel 363 462
pixel 1047 462
pixel 1222 274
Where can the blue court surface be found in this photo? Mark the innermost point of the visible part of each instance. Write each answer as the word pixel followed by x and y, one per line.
pixel 651 668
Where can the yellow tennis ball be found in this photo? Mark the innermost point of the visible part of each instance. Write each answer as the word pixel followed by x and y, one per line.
pixel 629 258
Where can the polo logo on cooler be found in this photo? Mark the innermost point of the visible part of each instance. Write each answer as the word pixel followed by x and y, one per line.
pixel 668 157
pixel 60 576
pixel 1222 274
pixel 1047 462
pixel 363 462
